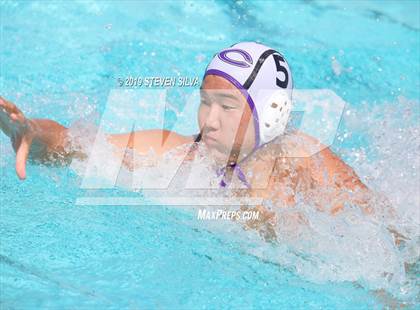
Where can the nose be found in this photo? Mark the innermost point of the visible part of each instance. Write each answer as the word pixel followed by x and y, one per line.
pixel 213 118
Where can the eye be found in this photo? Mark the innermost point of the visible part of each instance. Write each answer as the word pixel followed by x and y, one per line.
pixel 227 107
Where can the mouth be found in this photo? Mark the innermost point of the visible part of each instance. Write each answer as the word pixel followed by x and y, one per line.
pixel 217 150
pixel 209 140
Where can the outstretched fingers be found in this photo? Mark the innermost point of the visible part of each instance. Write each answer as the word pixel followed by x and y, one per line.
pixel 8 106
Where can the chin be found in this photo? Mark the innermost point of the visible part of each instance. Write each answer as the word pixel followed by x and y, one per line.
pixel 218 156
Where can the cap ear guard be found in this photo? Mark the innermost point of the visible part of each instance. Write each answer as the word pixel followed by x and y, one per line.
pixel 275 115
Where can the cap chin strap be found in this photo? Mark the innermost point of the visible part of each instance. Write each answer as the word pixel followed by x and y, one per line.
pixel 236 168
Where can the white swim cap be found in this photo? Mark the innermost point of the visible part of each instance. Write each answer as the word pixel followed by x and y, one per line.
pixel 264 78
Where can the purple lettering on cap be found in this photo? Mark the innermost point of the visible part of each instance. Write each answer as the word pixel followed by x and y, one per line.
pixel 243 64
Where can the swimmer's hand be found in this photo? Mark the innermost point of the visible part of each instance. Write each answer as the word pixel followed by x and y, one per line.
pixel 37 138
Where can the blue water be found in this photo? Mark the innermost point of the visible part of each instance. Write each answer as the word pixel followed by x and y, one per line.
pixel 60 60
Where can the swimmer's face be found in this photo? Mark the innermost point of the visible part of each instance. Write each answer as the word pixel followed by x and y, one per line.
pixel 225 119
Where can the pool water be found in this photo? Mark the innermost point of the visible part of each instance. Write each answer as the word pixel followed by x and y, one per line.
pixel 61 60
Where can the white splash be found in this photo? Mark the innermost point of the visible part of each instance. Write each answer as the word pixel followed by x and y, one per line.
pixel 350 246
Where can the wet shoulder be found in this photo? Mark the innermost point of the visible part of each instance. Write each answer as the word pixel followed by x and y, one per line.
pixel 293 145
pixel 298 144
pixel 293 154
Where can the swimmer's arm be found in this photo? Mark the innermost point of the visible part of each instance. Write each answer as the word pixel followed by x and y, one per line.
pixel 48 142
pixel 155 141
pixel 159 141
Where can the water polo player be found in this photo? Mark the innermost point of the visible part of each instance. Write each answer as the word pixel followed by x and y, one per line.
pixel 246 98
